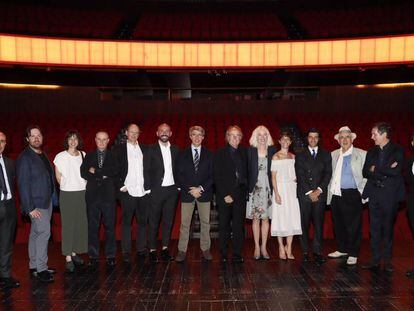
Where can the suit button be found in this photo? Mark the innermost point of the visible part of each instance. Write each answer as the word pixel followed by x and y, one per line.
pixel 310 178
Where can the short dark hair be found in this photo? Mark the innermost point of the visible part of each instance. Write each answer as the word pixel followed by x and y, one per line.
pixel 68 135
pixel 383 127
pixel 286 134
pixel 314 130
pixel 28 130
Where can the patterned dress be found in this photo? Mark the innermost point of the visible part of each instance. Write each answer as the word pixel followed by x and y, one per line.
pixel 259 205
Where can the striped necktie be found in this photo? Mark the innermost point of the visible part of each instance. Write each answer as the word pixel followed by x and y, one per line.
pixel 196 160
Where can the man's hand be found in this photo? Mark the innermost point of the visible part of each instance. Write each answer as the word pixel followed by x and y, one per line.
pixel 313 196
pixel 35 214
pixel 372 168
pixel 228 199
pixel 394 165
pixel 92 170
pixel 195 192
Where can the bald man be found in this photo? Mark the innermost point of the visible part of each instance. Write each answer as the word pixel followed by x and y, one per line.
pixel 100 169
pixel 159 167
pixel 8 217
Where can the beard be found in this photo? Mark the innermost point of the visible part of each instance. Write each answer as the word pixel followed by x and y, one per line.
pixel 164 138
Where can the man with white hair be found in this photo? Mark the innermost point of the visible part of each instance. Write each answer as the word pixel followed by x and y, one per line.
pixel 344 195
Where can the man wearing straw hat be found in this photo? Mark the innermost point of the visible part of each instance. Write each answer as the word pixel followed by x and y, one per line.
pixel 344 195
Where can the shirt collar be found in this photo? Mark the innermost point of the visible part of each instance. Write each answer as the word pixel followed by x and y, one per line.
pixel 315 148
pixel 162 146
pixel 194 147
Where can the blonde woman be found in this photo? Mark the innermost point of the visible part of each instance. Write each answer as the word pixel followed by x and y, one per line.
pixel 259 205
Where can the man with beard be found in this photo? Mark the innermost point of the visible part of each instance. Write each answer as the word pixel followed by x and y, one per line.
pixel 159 165
pixel 36 180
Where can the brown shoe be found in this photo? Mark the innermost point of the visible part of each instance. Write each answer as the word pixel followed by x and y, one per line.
pixel 207 255
pixel 180 256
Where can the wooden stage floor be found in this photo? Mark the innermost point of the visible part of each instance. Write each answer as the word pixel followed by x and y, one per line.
pixel 197 285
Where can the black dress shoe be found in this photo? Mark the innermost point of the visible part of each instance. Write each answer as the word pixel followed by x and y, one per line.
pixel 93 262
pixel 388 267
pixel 409 273
pixel 238 259
pixel 306 257
pixel 9 283
pixel 153 256
pixel 165 255
pixel 370 266
pixel 33 272
pixel 78 261
pixel 319 259
pixel 110 262
pixel 125 258
pixel 141 255
pixel 45 276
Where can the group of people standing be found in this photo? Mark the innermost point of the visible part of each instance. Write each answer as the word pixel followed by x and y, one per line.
pixel 281 193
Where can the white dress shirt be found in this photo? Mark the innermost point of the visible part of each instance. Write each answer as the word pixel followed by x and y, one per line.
pixel 193 148
pixel 168 179
pixel 6 179
pixel 134 181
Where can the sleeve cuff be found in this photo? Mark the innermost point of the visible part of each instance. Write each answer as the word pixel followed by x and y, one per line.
pixel 320 189
pixel 309 192
pixel 201 187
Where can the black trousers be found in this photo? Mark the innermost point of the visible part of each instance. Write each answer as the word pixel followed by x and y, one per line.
pixel 315 213
pixel 8 219
pixel 410 209
pixel 134 206
pixel 163 201
pixel 381 226
pixel 107 211
pixel 347 219
pixel 231 219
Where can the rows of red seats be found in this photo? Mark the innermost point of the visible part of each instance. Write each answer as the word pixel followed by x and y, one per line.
pixel 357 21
pixel 44 20
pixel 55 125
pixel 224 26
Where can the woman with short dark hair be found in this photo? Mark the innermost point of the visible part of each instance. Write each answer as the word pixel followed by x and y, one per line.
pixel 72 200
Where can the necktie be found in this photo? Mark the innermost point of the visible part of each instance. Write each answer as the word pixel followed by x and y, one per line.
pixel 100 159
pixel 3 182
pixel 196 160
pixel 313 153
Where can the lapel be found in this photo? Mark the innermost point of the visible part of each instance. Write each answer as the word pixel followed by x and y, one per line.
pixel 355 159
pixel 9 170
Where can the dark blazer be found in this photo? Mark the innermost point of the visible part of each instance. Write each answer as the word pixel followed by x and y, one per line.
pixel 34 182
pixel 313 173
pixel 187 177
pixel 11 175
pixel 154 166
pixel 101 184
pixel 385 183
pixel 253 164
pixel 225 178
pixel 121 154
pixel 409 177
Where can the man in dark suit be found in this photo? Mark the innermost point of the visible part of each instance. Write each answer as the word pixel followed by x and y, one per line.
pixel 384 189
pixel 100 169
pixel 130 183
pixel 230 177
pixel 36 181
pixel 159 168
pixel 8 217
pixel 409 175
pixel 313 172
pixel 195 179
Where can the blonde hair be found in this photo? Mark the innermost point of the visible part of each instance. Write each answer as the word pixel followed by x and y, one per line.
pixel 253 138
pixel 197 128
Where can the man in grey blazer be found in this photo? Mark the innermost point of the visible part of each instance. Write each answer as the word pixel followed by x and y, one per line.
pixel 344 195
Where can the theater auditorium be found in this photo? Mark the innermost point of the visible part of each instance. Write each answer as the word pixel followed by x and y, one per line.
pixel 220 69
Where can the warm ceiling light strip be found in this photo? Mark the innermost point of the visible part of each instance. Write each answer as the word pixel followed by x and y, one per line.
pixel 92 53
pixel 28 86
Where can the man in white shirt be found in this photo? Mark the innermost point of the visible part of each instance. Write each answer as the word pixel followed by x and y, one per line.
pixel 130 158
pixel 159 168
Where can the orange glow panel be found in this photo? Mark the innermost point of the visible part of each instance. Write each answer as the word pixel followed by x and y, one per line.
pixel 71 52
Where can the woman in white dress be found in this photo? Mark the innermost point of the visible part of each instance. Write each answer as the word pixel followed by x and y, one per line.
pixel 285 211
